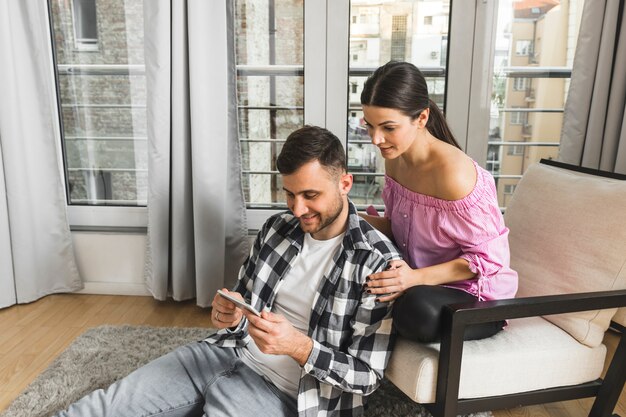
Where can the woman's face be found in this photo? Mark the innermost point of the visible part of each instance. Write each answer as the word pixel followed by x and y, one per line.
pixel 391 130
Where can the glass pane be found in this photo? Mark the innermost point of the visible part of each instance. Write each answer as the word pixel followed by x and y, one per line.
pixel 415 31
pixel 533 58
pixel 102 90
pixel 270 90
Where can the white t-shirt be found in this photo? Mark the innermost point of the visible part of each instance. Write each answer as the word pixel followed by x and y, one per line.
pixel 295 299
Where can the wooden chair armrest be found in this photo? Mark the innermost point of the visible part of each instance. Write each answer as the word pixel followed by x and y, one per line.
pixel 487 311
pixel 456 317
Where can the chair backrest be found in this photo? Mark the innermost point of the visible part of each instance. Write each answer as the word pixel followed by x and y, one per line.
pixel 568 235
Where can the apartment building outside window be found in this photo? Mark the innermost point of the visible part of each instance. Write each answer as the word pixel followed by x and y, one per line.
pixel 528 111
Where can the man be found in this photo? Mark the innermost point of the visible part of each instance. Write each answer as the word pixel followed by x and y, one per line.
pixel 322 341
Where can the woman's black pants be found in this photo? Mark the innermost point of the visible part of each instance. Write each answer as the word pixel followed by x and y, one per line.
pixel 417 314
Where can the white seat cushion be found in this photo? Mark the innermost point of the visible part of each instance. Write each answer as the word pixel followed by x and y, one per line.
pixel 529 354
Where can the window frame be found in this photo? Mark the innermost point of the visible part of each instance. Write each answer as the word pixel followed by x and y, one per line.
pixel 326 92
pixel 114 218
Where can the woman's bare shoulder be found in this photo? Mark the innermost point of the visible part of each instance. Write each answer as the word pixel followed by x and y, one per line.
pixel 456 176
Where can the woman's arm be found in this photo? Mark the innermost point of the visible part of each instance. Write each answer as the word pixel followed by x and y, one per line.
pixel 358 367
pixel 401 277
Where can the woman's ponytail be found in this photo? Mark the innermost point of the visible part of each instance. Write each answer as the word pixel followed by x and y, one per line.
pixel 438 126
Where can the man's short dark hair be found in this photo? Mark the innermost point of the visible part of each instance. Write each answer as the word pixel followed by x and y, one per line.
pixel 311 143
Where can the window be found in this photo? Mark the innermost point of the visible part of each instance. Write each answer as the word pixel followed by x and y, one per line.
pixel 523 47
pixel 518 118
pixel 271 99
pixel 381 31
pixel 368 15
pixel 102 96
pixel 443 52
pixel 493 159
pixel 534 118
pixel 520 84
pixel 401 23
pixel 84 18
pixel 104 135
pixel 493 166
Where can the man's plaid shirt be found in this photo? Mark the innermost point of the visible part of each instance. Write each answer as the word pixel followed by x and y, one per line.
pixel 351 332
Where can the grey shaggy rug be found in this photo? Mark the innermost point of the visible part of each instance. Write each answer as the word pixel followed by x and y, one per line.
pixel 104 354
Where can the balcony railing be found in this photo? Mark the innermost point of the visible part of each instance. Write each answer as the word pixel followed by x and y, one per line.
pixel 293 71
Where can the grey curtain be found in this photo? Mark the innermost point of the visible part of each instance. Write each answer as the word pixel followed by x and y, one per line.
pixel 36 254
pixel 197 237
pixel 594 122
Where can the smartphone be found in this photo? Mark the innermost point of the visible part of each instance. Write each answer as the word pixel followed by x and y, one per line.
pixel 239 303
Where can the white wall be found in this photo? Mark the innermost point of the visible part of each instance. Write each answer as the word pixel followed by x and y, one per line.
pixel 111 263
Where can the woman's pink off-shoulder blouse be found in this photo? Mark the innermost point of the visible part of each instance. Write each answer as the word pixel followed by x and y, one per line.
pixel 431 231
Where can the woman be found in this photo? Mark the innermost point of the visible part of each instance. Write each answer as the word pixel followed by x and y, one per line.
pixel 441 209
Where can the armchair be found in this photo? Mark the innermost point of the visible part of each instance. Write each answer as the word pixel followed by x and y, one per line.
pixel 568 244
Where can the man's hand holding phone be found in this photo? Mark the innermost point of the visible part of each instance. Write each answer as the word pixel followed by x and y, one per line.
pixel 225 312
pixel 272 333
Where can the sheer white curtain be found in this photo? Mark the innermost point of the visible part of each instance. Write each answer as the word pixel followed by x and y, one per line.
pixel 36 255
pixel 197 238
pixel 594 122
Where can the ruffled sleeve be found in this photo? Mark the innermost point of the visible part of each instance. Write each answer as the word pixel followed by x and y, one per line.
pixel 480 232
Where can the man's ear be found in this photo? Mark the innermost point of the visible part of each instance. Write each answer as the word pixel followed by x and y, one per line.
pixel 345 183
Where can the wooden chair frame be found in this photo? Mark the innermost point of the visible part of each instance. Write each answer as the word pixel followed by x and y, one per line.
pixel 456 317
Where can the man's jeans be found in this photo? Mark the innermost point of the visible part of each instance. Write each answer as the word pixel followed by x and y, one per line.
pixel 195 380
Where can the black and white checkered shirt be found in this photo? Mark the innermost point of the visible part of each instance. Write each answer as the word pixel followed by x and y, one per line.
pixel 351 332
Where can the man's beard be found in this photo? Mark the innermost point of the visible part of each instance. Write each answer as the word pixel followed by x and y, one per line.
pixel 327 220
pixel 333 216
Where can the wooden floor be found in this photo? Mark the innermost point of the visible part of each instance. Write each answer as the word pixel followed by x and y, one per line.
pixel 32 335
